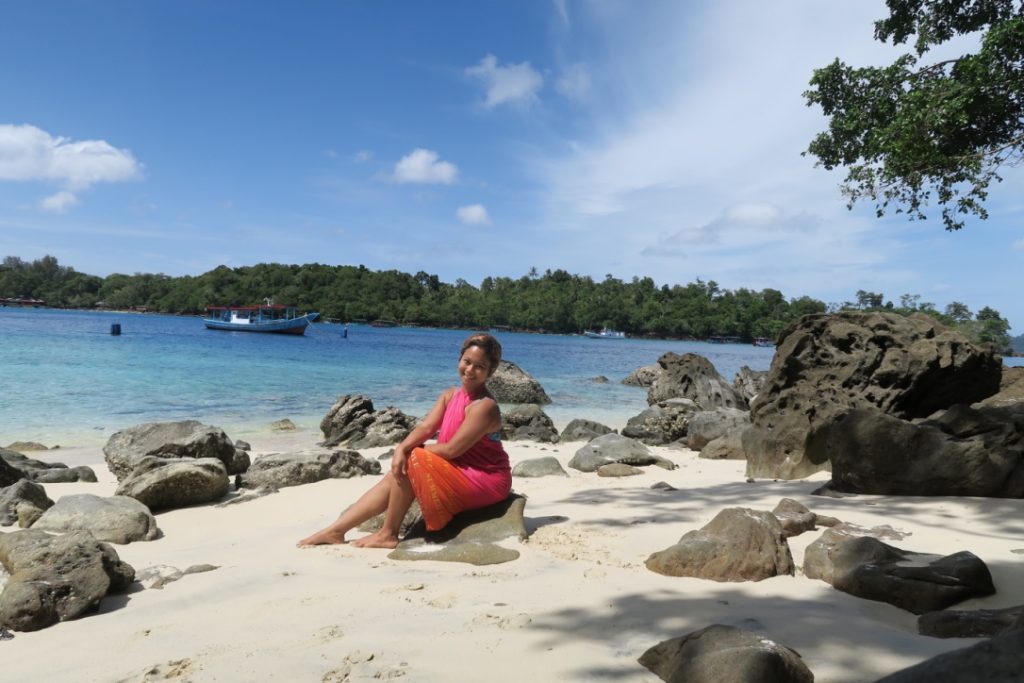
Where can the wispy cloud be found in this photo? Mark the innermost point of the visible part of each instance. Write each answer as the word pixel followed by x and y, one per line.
pixel 574 82
pixel 58 203
pixel 424 166
pixel 474 214
pixel 513 83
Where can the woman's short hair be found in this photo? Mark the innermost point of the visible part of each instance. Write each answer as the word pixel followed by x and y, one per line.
pixel 486 343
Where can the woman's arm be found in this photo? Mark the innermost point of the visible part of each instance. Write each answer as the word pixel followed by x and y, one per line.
pixel 482 418
pixel 427 427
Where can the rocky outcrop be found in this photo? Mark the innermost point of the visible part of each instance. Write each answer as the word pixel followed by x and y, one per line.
pixel 583 430
pixel 727 447
pixel 353 422
pixel 795 518
pixel 612 448
pixel 917 582
pixel 643 376
pixel 978 623
pixel 27 446
pixel 284 425
pixel 45 472
pixel 118 519
pixel 961 452
pixel 56 578
pixel 170 483
pixel 748 383
pixel 19 499
pixel 707 425
pixel 618 469
pixel 539 467
pixel 720 653
pixel 279 470
pixel 739 544
pixel 528 423
pixel 9 474
pixel 662 424
pixel 512 384
pixel 828 364
pixel 694 377
pixel 1011 388
pixel 999 660
pixel 186 439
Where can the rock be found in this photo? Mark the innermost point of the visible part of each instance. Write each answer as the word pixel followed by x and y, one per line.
pixel 694 377
pixel 728 447
pixel 279 470
pixel 719 654
pixel 618 469
pixel 539 467
pixel 44 472
pixel 240 462
pixel 469 537
pixel 739 544
pixel 119 519
pixel 186 439
pixel 16 499
pixel 284 425
pixel 170 483
pixel 611 448
pixel 867 568
pixel 158 576
pixel 961 452
pixel 242 445
pixel 999 660
pixel 583 430
pixel 600 379
pixel 794 517
pixel 353 422
pixel 26 446
pixel 662 424
pixel 707 425
pixel 643 376
pixel 663 486
pixel 979 623
pixel 8 474
pixel 828 364
pixel 748 383
pixel 1011 389
pixel 56 578
pixel 512 384
pixel 412 516
pixel 528 422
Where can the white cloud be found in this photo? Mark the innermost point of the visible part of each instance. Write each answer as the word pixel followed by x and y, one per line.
pixel 422 166
pixel 474 214
pixel 362 156
pixel 58 203
pixel 29 153
pixel 574 82
pixel 514 83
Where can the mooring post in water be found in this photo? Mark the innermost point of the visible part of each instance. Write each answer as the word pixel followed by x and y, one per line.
pixel 115 329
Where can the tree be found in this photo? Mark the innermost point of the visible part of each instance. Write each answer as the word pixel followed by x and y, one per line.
pixel 911 130
pixel 993 327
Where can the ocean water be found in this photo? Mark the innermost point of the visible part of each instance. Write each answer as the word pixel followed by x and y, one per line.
pixel 65 379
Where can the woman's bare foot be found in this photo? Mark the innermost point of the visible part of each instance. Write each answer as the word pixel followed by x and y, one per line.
pixel 378 539
pixel 326 536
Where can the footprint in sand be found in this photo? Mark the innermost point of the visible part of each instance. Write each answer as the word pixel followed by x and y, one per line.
pixel 329 633
pixel 363 665
pixel 178 670
pixel 578 542
pixel 507 623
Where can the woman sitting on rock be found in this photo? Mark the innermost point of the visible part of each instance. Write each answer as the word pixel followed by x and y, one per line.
pixel 466 469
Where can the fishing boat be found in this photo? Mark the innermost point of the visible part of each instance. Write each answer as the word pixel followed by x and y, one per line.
pixel 604 334
pixel 763 341
pixel 269 317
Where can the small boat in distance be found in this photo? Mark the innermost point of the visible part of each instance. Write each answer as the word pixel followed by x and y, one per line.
pixel 269 317
pixel 604 334
pixel 763 341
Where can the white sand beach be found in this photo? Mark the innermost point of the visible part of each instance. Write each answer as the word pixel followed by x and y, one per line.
pixel 578 604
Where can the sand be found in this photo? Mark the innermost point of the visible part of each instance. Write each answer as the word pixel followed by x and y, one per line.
pixel 578 605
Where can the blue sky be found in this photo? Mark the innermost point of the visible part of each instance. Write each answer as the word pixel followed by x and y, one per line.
pixel 465 139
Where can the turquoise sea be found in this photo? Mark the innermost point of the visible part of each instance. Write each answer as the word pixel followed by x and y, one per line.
pixel 64 379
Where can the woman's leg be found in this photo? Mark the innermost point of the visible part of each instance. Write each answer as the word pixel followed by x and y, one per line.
pixel 371 503
pixel 399 500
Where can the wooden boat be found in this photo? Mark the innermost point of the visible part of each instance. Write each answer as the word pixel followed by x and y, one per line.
pixel 604 334
pixel 763 341
pixel 269 317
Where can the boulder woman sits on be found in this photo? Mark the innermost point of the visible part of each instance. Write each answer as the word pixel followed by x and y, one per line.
pixel 466 469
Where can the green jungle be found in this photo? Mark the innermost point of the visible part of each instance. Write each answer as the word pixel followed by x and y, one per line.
pixel 553 301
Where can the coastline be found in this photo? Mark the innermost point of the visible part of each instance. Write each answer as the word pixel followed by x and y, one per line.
pixel 577 605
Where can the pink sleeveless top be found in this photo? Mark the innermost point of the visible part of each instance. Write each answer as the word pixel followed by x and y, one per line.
pixel 486 462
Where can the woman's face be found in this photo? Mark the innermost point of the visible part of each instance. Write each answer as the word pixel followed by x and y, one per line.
pixel 474 368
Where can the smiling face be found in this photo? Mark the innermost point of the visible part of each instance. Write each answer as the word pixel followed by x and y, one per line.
pixel 474 369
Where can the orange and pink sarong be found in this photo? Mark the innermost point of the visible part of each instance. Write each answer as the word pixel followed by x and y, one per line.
pixel 479 477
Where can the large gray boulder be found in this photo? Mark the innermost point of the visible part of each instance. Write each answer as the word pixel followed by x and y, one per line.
pixel 118 519
pixel 917 582
pixel 18 497
pixel 170 483
pixel 45 472
pixel 511 384
pixel 186 439
pixel 748 383
pixel 694 377
pixel 353 422
pixel 643 376
pixel 828 364
pixel 999 660
pixel 961 452
pixel 1011 388
pixel 612 448
pixel 662 424
pixel 8 473
pixel 739 544
pixel 56 578
pixel 726 447
pixel 725 654
pixel 539 467
pixel 280 470
pixel 583 430
pixel 977 623
pixel 528 423
pixel 708 425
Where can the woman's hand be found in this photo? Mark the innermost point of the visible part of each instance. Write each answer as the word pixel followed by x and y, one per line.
pixel 398 463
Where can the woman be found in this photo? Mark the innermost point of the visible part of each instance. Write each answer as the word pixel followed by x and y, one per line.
pixel 466 469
